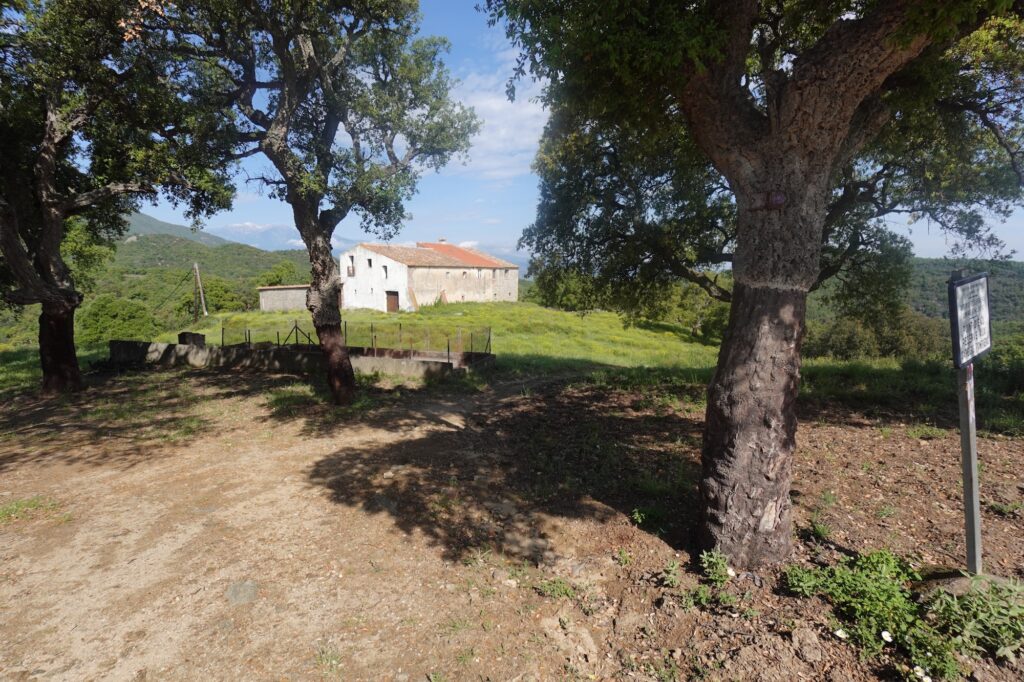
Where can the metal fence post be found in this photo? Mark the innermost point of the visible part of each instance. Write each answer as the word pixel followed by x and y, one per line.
pixel 222 336
pixel 279 339
pixel 449 350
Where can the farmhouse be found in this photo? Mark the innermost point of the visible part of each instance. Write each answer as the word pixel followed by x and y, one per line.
pixel 393 278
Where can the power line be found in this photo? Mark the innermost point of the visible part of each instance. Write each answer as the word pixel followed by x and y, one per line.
pixel 173 291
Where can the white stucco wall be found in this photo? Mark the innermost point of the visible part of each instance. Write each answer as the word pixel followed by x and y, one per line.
pixel 368 286
pixel 477 285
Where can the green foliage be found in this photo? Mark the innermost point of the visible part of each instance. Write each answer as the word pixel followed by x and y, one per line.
pixel 871 596
pixel 699 596
pixel 285 272
pixel 140 255
pixel 986 620
pixel 222 295
pixel 902 333
pixel 86 252
pixel 927 289
pixel 670 575
pixel 25 508
pixel 106 317
pixel 556 588
pixel 339 84
pixel 924 432
pixel 715 566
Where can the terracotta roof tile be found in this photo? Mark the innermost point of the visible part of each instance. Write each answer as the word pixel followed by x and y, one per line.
pixel 438 255
pixel 470 257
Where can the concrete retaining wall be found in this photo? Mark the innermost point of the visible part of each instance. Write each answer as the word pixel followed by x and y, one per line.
pixel 291 360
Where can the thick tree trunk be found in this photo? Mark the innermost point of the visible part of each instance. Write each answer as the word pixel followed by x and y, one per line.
pixel 750 427
pixel 57 355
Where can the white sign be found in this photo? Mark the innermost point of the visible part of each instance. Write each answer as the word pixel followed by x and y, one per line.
pixel 969 315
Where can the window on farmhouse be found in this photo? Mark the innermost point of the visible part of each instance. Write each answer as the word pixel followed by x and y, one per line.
pixel 369 262
pixel 463 274
pixel 385 271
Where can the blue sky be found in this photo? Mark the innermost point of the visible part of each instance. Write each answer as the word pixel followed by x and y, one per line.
pixel 488 200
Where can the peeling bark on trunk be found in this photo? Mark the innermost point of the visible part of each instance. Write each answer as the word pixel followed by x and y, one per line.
pixel 750 425
pixel 57 355
pixel 750 428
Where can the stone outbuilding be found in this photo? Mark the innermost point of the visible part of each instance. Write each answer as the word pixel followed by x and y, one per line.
pixel 393 278
pixel 285 297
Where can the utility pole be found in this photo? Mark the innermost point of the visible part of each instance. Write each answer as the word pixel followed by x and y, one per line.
pixel 200 295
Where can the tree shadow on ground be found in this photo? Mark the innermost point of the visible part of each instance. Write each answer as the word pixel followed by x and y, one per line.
pixel 120 420
pixel 559 452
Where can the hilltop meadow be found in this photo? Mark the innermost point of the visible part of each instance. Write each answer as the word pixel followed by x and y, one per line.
pixel 536 515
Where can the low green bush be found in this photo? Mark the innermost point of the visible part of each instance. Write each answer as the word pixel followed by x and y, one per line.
pixel 872 598
pixel 106 317
pixel 987 620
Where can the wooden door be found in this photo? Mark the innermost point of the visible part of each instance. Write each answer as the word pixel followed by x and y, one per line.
pixel 392 301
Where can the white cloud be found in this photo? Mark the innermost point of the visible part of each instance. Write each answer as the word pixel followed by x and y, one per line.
pixel 472 244
pixel 297 243
pixel 510 130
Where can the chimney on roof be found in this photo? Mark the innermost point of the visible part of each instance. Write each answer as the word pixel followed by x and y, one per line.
pixel 441 240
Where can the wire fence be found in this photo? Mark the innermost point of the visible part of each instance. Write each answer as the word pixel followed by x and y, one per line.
pixel 383 335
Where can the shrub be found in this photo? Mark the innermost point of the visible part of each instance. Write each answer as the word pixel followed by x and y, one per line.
pixel 988 619
pixel 870 595
pixel 107 317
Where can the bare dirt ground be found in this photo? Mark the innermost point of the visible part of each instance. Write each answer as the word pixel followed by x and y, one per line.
pixel 212 527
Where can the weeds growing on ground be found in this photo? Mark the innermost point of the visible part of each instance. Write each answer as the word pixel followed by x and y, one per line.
pixel 987 620
pixel 26 508
pixel 556 588
pixel 872 598
pixel 715 566
pixel 924 432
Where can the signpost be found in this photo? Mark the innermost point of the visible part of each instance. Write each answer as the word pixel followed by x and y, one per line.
pixel 972 337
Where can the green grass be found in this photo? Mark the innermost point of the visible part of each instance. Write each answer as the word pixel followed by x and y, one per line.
pixel 924 432
pixel 662 362
pixel 524 336
pixel 26 508
pixel 19 367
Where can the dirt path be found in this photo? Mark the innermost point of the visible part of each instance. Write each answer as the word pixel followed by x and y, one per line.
pixel 202 530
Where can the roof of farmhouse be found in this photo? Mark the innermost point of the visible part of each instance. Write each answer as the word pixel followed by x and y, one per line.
pixel 438 255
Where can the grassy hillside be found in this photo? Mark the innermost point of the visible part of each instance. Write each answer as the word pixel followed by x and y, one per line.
pixel 524 335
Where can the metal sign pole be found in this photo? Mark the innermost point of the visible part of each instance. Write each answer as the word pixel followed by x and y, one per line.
pixel 969 454
pixel 971 328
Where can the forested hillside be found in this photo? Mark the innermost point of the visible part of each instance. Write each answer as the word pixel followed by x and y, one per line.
pixel 927 291
pixel 145 286
pixel 143 253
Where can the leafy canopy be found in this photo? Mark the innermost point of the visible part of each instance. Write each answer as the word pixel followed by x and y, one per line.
pixel 629 199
